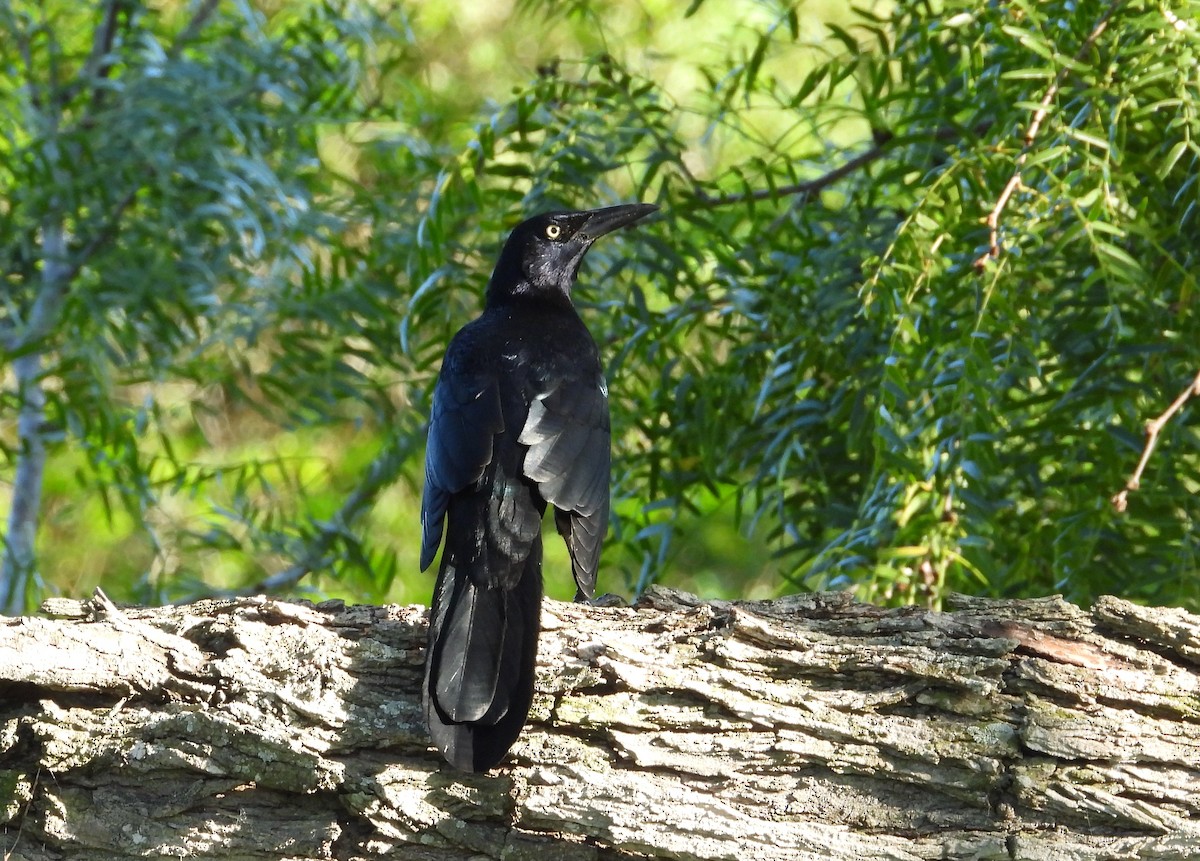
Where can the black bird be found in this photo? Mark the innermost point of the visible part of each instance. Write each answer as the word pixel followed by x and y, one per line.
pixel 520 419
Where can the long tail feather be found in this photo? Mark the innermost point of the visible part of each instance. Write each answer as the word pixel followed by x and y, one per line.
pixel 479 669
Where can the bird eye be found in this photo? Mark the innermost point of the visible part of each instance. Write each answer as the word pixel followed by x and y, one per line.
pixel 553 231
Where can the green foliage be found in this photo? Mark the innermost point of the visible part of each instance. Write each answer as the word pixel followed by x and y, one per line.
pixel 180 159
pixel 277 220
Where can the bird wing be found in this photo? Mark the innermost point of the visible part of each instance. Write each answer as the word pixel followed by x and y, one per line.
pixel 463 423
pixel 567 431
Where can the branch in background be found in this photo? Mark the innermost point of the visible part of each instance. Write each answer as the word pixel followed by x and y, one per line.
pixel 807 188
pixel 203 12
pixel 319 553
pixel 993 218
pixel 104 234
pixel 99 62
pixel 25 49
pixel 882 143
pixel 19 560
pixel 18 564
pixel 1153 429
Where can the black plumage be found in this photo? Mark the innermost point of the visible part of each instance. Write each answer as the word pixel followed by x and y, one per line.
pixel 519 420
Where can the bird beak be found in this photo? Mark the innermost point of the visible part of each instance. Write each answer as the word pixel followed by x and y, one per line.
pixel 602 221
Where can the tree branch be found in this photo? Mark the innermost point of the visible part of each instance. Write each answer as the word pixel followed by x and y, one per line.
pixel 58 271
pixel 23 42
pixel 883 142
pixel 318 554
pixel 19 560
pixel 806 188
pixel 1153 428
pixel 1035 125
pixel 812 727
pixel 203 12
pixel 105 233
pixel 98 63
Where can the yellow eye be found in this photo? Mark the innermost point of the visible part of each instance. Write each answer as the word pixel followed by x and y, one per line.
pixel 553 231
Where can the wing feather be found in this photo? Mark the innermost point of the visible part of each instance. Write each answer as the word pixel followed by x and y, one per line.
pixel 463 424
pixel 567 431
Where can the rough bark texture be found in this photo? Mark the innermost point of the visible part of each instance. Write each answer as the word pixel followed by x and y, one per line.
pixel 807 728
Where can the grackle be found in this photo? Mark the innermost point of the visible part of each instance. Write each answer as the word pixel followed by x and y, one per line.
pixel 519 420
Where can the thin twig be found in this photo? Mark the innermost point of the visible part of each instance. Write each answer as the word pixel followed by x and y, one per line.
pixel 106 233
pixel 99 63
pixel 319 552
pixel 1153 429
pixel 194 26
pixel 806 188
pixel 24 48
pixel 1035 125
pixel 884 141
pixel 24 816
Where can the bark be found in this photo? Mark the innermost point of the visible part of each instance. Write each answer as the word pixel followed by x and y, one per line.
pixel 812 727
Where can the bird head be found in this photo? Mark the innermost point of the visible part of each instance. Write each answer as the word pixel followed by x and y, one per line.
pixel 542 255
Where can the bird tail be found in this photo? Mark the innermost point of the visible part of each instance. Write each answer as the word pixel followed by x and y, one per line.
pixel 480 662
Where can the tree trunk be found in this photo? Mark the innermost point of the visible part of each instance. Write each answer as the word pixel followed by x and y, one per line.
pixel 807 728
